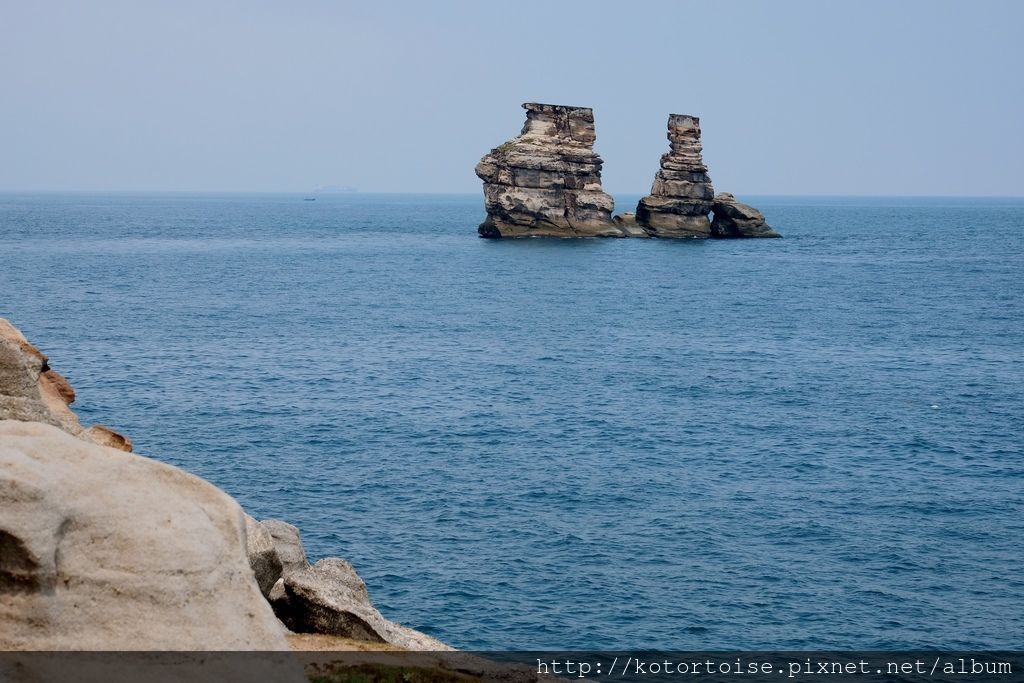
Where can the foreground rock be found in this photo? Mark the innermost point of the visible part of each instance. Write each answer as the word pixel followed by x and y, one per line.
pixel 33 392
pixel 547 181
pixel 681 195
pixel 329 598
pixel 263 557
pixel 735 219
pixel 104 550
pixel 287 544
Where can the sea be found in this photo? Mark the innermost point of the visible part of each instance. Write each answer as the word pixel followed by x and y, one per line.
pixel 805 443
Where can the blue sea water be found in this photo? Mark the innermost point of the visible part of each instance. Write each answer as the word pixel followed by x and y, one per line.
pixel 801 443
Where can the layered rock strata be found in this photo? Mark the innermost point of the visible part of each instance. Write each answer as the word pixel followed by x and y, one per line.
pixel 735 219
pixel 681 195
pixel 106 550
pixel 547 181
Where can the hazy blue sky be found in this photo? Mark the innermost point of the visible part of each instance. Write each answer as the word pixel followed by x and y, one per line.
pixel 794 97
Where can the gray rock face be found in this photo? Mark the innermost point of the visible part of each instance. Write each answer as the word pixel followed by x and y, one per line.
pixel 626 222
pixel 681 195
pixel 31 391
pixel 547 181
pixel 330 598
pixel 735 219
pixel 287 544
pixel 263 558
pixel 105 550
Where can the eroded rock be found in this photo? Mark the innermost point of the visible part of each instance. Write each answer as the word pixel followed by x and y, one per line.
pixel 287 544
pixel 105 550
pixel 330 598
pixel 105 436
pixel 31 391
pixel 262 553
pixel 681 195
pixel 547 181
pixel 101 549
pixel 626 222
pixel 735 219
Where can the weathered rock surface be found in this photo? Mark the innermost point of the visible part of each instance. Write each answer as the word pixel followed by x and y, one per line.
pixel 101 549
pixel 330 598
pixel 31 391
pixel 547 181
pixel 681 195
pixel 626 223
pixel 735 219
pixel 287 544
pixel 262 553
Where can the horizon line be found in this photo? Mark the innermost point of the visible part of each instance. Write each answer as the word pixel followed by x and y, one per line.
pixel 465 193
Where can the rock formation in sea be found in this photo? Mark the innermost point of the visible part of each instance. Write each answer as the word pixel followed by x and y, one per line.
pixel 547 181
pixel 626 222
pixel 735 219
pixel 681 195
pixel 106 550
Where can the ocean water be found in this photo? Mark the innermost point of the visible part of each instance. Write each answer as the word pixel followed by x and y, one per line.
pixel 801 443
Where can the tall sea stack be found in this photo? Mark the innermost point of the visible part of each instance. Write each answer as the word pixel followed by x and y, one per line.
pixel 681 196
pixel 547 181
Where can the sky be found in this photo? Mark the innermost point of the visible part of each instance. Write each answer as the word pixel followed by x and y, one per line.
pixel 797 98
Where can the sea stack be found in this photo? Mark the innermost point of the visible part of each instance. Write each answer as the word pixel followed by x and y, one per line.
pixel 681 196
pixel 735 219
pixel 547 181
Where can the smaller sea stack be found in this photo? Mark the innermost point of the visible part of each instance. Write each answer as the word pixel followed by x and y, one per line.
pixel 681 196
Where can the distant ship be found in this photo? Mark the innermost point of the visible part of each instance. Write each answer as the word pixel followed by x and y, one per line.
pixel 332 189
pixel 309 199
